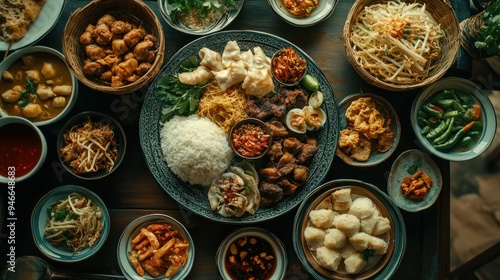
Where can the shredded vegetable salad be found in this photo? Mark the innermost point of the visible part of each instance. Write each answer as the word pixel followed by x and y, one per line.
pixel 397 42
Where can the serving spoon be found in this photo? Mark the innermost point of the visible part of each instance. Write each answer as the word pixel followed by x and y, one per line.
pixel 35 268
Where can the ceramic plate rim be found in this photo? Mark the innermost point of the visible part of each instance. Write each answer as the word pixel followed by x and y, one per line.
pixel 395 124
pixel 394 182
pixel 42 25
pixel 51 251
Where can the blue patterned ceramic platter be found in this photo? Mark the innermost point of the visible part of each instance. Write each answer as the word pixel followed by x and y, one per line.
pixel 194 198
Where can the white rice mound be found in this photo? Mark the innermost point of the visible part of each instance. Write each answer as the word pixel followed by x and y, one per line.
pixel 195 149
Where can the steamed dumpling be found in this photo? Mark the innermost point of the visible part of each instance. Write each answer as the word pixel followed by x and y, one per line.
pixel 383 225
pixel 198 77
pixel 347 223
pixel 259 81
pixel 327 258
pixel 322 218
pixel 342 200
pixel 234 71
pixel 335 239
pixel 354 263
pixel 362 207
pixel 210 59
pixel 314 237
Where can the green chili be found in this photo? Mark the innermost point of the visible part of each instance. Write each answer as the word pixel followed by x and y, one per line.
pixel 426 129
pixel 449 114
pixel 443 137
pixel 433 110
pixel 444 103
pixel 455 138
pixel 435 132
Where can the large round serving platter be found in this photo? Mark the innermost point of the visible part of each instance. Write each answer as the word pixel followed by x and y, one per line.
pixel 194 198
pixel 43 24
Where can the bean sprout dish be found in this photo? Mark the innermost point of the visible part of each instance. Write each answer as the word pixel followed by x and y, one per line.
pixel 90 147
pixel 397 42
pixel 75 222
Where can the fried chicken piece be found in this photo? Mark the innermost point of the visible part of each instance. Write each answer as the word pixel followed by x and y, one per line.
pixel 292 145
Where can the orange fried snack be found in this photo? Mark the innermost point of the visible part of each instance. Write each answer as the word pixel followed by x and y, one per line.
pixel 158 250
pixel 416 186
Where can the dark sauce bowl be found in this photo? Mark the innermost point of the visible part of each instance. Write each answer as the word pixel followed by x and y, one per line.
pixel 264 241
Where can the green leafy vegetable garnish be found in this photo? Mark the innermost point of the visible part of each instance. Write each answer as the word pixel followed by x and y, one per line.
pixel 203 6
pixel 63 215
pixel 31 87
pixel 414 166
pixel 367 254
pixel 181 99
pixel 489 33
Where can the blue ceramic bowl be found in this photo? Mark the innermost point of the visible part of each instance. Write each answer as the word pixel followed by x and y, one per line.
pixel 134 228
pixel 40 216
pixel 399 170
pixel 387 111
pixel 488 119
pixel 381 267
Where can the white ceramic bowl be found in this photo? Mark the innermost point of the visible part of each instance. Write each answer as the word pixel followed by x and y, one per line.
pixel 40 216
pixel 11 164
pixel 488 119
pixel 134 228
pixel 13 57
pixel 323 11
pixel 273 243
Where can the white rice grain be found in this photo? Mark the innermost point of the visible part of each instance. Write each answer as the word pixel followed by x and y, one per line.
pixel 195 149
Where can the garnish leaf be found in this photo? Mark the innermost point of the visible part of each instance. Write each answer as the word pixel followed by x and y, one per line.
pixel 367 254
pixel 414 166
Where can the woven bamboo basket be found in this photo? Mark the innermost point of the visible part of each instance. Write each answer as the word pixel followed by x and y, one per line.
pixel 442 12
pixel 131 11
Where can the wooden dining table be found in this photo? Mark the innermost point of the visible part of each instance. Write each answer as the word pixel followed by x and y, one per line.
pixel 131 191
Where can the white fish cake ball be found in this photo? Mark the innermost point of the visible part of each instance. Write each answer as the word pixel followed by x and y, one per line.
pixel 354 264
pixel 347 250
pixel 314 237
pixel 322 218
pixel 360 241
pixel 335 239
pixel 347 223
pixel 327 258
pixel 362 207
pixel 368 224
pixel 382 226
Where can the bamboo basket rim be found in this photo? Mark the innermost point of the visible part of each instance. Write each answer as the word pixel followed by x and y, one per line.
pixel 81 17
pixel 450 50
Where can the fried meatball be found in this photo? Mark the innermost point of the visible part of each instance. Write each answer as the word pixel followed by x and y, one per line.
pixel 107 19
pixel 103 34
pixel 120 27
pixel 134 36
pixel 141 50
pixel 91 67
pixel 94 52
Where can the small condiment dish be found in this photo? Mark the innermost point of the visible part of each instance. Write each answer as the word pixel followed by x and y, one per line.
pixel 322 12
pixel 286 74
pixel 95 117
pixel 406 165
pixel 23 149
pixel 259 132
pixel 134 228
pixel 240 240
pixel 41 215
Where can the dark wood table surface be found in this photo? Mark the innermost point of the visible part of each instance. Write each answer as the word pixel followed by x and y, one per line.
pixel 131 191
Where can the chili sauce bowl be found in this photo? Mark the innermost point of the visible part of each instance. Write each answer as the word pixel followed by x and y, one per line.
pixel 23 149
pixel 252 242
pixel 238 146
pixel 454 99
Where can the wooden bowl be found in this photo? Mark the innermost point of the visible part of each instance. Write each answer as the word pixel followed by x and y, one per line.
pixel 442 12
pixel 131 11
